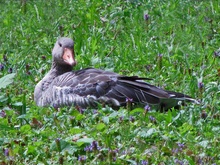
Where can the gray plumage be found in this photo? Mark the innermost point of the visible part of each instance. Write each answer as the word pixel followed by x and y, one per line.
pixel 85 88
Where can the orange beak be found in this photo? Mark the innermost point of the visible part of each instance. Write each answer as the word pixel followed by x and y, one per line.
pixel 68 56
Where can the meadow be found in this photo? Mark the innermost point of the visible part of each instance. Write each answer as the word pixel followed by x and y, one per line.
pixel 176 43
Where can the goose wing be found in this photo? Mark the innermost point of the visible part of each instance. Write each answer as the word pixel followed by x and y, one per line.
pixel 89 86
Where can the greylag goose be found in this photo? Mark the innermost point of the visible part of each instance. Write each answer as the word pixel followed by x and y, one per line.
pixel 87 87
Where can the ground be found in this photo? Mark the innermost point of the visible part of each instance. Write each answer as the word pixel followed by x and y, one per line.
pixel 176 43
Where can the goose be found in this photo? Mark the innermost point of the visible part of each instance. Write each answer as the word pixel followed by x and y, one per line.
pixel 91 87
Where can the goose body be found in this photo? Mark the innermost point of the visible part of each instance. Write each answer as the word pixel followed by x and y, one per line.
pixel 85 88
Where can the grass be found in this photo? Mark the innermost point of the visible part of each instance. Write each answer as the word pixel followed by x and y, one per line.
pixel 173 42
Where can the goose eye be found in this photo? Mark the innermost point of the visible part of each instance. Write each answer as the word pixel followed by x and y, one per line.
pixel 60 44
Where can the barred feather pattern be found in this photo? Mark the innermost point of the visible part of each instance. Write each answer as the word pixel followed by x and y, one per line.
pixel 64 96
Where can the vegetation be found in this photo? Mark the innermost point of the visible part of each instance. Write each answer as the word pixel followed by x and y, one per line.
pixel 174 42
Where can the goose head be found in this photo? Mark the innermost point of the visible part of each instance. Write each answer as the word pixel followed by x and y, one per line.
pixel 63 52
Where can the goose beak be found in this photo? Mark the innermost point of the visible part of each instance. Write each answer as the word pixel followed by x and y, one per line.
pixel 68 56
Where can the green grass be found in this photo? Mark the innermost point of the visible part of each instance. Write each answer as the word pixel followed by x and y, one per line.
pixel 112 35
